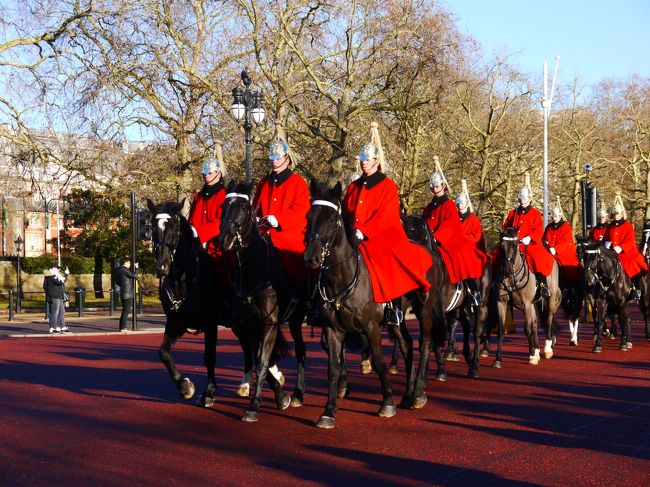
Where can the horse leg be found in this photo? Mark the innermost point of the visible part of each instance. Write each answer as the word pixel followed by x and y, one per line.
pixel 366 365
pixel 624 320
pixel 209 359
pixel 452 348
pixel 387 409
pixel 404 341
pixel 502 310
pixel 550 334
pixel 419 397
pixel 295 327
pixel 466 325
pixel 248 350
pixel 599 324
pixel 394 359
pixel 531 332
pixel 183 384
pixel 332 342
pixel 478 317
pixel 281 399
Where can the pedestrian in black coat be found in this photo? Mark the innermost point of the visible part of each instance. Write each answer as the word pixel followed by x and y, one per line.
pixel 54 287
pixel 125 279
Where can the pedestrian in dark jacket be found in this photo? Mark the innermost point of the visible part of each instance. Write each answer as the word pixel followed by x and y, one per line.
pixel 125 279
pixel 54 286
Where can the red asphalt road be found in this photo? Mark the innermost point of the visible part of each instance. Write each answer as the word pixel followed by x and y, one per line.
pixel 101 410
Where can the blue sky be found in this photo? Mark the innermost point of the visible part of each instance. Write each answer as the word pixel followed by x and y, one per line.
pixel 595 39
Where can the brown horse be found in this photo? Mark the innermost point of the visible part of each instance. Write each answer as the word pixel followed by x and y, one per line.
pixel 515 283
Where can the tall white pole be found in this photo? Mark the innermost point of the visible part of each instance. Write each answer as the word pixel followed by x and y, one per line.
pixel 546 106
pixel 58 236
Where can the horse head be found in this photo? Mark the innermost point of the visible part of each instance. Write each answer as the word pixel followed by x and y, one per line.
pixel 599 263
pixel 509 249
pixel 167 224
pixel 417 230
pixel 324 222
pixel 237 218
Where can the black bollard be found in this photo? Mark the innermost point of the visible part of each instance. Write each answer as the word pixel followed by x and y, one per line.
pixel 111 304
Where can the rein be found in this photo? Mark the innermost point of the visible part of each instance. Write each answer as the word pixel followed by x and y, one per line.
pixel 338 297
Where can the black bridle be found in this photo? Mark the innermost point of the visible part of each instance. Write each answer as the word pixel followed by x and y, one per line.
pixel 514 278
pixel 327 242
pixel 175 272
pixel 604 278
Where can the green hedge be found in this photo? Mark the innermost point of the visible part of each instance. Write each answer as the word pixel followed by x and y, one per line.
pixel 78 265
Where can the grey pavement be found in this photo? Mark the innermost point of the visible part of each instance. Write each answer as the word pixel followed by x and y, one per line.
pixel 34 324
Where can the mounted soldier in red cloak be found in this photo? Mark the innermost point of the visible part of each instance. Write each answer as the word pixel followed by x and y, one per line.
pixel 471 223
pixel 281 203
pixel 558 238
pixel 463 260
pixel 528 221
pixel 395 264
pixel 621 239
pixel 597 233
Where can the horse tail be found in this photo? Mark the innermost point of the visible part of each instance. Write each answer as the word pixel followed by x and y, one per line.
pixel 281 349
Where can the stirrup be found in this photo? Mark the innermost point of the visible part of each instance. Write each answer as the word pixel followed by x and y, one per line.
pixel 393 316
pixel 544 291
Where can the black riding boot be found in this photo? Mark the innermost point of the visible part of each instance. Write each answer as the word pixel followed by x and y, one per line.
pixel 393 315
pixel 544 291
pixel 473 291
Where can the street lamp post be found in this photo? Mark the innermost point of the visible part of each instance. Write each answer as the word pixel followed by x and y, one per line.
pixel 546 106
pixel 19 248
pixel 247 105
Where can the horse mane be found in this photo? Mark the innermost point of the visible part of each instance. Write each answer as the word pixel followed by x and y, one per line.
pixel 510 232
pixel 241 188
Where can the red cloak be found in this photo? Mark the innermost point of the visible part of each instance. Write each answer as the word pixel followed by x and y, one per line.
pixel 395 264
pixel 621 233
pixel 529 223
pixel 560 237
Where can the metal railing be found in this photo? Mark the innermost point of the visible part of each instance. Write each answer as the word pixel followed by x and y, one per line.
pixel 77 302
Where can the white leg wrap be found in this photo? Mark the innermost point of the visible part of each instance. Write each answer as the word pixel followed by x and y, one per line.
pixel 275 372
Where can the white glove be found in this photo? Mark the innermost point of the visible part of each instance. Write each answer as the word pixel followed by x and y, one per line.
pixel 608 245
pixel 359 235
pixel 552 251
pixel 67 270
pixel 194 232
pixel 204 245
pixel 618 250
pixel 525 240
pixel 272 221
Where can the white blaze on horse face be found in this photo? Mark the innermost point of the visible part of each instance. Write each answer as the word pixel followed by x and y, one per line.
pixel 162 219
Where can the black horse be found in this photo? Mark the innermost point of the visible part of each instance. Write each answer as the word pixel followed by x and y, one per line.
pixel 263 297
pixel 189 293
pixel 516 284
pixel 610 288
pixel 454 299
pixel 345 297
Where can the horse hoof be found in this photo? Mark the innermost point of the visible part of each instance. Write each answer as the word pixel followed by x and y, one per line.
pixel 393 370
pixel 343 393
pixel 366 367
pixel 326 422
pixel 250 416
pixel 284 403
pixel 629 345
pixel 187 388
pixel 419 402
pixel 244 390
pixel 472 373
pixel 573 343
pixel 548 355
pixel 205 401
pixel 441 377
pixel 484 353
pixel 387 411
pixel 496 364
pixel 452 357
pixel 406 403
pixel 623 347
pixel 296 402
pixel 597 349
pixel 533 360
